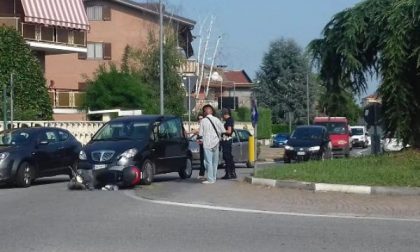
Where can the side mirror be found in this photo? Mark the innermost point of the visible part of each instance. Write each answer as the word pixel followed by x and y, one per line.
pixel 366 134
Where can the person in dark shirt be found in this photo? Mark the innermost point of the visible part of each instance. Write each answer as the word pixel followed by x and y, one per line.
pixel 227 145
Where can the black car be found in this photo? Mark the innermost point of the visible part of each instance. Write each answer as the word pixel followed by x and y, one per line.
pixel 308 142
pixel 153 144
pixel 30 153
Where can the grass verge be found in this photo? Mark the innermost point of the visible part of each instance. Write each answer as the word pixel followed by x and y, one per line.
pixel 399 169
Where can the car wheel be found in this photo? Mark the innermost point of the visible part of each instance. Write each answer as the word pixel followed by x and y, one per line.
pixel 286 160
pixel 249 164
pixel 186 172
pixel 148 172
pixel 25 175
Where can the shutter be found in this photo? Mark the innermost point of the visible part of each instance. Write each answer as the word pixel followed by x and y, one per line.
pixel 82 56
pixel 106 13
pixel 107 51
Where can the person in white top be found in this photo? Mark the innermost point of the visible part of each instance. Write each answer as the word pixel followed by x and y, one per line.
pixel 211 129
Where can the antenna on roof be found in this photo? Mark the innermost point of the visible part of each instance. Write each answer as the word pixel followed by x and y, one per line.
pixel 200 35
pixel 212 64
pixel 205 53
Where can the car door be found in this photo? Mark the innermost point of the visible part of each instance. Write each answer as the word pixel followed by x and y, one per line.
pixel 244 138
pixel 47 151
pixel 172 144
pixel 69 147
pixel 236 147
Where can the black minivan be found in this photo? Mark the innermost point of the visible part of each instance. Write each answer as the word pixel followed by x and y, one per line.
pixel 153 144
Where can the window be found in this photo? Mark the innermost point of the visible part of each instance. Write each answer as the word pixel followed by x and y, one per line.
pixel 63 136
pixel 243 135
pixel 171 129
pixel 98 13
pixel 98 51
pixel 48 136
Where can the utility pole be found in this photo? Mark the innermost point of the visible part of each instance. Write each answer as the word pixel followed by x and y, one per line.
pixel 11 99
pixel 307 95
pixel 4 107
pixel 162 110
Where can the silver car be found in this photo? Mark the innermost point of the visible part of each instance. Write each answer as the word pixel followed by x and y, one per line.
pixel 239 148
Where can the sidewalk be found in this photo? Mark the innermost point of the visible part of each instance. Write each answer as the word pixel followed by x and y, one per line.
pixel 270 154
pixel 238 194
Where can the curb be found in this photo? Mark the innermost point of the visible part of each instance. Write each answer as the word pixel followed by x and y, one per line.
pixel 323 187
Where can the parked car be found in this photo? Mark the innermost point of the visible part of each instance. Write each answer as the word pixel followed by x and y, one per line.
pixel 239 148
pixel 154 144
pixel 392 145
pixel 30 153
pixel 308 142
pixel 359 136
pixel 339 132
pixel 280 140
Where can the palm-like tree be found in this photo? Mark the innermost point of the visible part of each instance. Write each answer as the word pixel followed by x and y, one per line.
pixel 377 38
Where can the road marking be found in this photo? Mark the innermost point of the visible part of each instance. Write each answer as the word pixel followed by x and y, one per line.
pixel 131 194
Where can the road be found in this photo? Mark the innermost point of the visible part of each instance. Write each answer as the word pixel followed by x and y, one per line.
pixel 48 217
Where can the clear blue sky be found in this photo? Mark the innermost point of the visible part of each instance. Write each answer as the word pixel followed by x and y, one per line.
pixel 248 26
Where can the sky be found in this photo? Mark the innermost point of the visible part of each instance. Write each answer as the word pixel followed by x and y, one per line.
pixel 247 27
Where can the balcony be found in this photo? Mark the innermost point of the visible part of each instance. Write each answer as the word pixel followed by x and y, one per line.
pixel 189 67
pixel 66 99
pixel 49 39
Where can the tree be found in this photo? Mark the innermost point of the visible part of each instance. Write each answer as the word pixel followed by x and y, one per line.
pixel 31 100
pixel 382 38
pixel 281 81
pixel 340 104
pixel 111 88
pixel 145 62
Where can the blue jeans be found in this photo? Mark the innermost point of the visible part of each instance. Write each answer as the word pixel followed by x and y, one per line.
pixel 211 162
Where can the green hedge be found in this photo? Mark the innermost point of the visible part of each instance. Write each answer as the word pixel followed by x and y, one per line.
pixel 264 123
pixel 280 128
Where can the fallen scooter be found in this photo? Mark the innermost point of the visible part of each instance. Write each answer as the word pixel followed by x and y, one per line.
pixel 108 180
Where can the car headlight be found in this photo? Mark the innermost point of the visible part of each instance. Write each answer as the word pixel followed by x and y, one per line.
pixel 288 147
pixel 315 148
pixel 82 155
pixel 342 142
pixel 128 153
pixel 3 156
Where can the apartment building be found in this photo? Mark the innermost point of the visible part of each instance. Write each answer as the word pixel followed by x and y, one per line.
pixel 49 27
pixel 114 24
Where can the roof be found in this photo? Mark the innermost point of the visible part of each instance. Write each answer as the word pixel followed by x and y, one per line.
pixel 63 13
pixel 330 119
pixel 153 8
pixel 239 77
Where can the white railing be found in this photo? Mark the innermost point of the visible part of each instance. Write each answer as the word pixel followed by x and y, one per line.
pixel 84 130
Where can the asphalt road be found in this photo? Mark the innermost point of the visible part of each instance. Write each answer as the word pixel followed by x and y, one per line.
pixel 48 217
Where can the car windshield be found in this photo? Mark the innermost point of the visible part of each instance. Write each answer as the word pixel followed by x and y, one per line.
pixel 17 138
pixel 123 131
pixel 281 136
pixel 357 131
pixel 335 128
pixel 307 134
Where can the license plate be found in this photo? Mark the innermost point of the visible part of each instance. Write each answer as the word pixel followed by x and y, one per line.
pixel 99 166
pixel 301 153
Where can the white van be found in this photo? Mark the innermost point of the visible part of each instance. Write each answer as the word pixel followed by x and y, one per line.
pixel 359 136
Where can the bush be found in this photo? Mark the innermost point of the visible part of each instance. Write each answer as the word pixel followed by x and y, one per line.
pixel 264 124
pixel 244 114
pixel 31 100
pixel 280 128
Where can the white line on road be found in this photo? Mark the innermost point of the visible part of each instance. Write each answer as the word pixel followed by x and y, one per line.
pixel 131 194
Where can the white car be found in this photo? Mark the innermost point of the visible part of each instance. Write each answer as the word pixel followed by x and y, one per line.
pixel 359 136
pixel 392 145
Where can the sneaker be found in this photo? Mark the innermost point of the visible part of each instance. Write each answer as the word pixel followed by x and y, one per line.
pixel 208 182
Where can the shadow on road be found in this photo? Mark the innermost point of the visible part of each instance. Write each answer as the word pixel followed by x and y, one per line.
pixel 39 182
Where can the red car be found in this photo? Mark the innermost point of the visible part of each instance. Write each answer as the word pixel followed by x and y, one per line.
pixel 340 133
